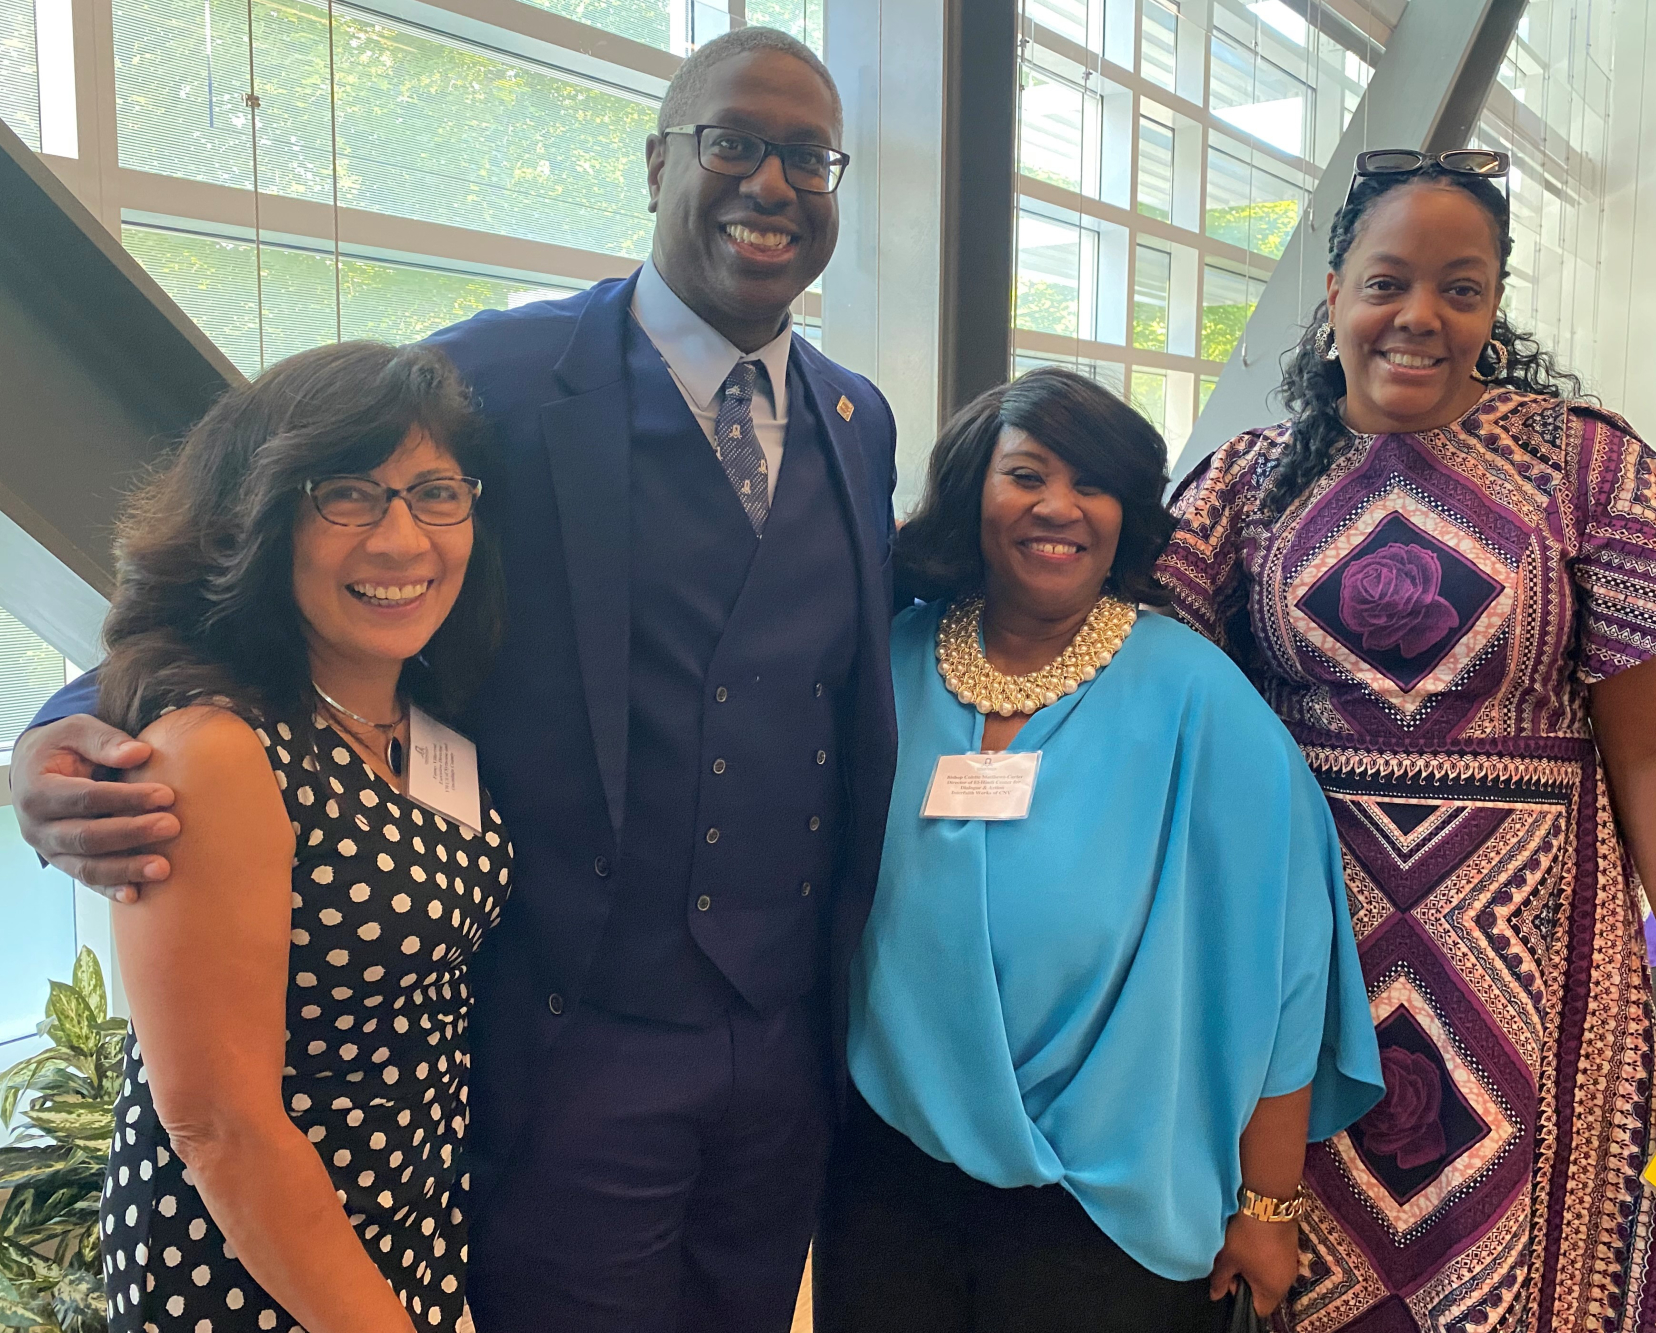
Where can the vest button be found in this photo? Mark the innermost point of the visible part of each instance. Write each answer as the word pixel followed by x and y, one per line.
pixel 816 823
pixel 555 1003
pixel 822 756
pixel 600 867
pixel 712 835
pixel 805 889
pixel 721 694
pixel 718 765
pixel 703 903
pixel 819 689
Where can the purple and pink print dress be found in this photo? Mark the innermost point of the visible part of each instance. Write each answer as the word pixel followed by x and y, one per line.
pixel 1426 619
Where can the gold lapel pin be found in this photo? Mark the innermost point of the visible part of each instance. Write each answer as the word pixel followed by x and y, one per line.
pixel 845 409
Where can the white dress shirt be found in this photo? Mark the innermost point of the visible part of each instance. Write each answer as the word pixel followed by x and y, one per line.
pixel 699 358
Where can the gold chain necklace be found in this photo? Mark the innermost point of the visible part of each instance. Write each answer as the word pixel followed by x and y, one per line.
pixel 973 680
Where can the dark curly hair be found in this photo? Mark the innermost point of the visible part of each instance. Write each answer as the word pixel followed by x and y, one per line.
pixel 939 551
pixel 204 605
pixel 1312 388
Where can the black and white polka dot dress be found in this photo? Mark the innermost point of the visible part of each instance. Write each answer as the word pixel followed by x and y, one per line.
pixel 390 901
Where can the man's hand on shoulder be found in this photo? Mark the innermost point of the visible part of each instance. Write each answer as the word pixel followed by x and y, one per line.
pixel 92 830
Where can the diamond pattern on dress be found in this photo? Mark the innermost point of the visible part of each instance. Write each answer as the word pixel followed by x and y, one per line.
pixel 1402 599
pixel 1437 1127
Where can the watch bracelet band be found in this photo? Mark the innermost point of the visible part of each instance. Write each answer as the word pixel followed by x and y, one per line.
pixel 1266 1209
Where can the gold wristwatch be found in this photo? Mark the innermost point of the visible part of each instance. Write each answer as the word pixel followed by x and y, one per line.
pixel 1267 1209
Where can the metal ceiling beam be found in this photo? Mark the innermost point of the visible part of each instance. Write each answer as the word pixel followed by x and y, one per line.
pixel 1427 92
pixel 101 373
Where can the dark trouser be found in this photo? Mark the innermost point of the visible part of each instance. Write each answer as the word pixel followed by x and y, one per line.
pixel 668 1182
pixel 909 1244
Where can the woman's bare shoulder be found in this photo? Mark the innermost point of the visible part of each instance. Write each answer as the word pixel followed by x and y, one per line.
pixel 218 768
pixel 203 737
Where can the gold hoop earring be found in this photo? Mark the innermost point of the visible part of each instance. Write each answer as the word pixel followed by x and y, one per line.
pixel 1498 352
pixel 1324 343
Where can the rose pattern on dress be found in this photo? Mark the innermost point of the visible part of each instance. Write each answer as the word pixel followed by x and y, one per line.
pixel 1390 597
pixel 1405 1122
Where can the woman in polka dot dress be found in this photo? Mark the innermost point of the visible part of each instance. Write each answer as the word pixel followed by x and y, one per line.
pixel 289 1138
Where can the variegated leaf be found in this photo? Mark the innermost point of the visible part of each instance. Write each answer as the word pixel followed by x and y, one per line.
pixel 85 1124
pixel 78 1301
pixel 25 1269
pixel 88 979
pixel 73 1022
pixel 20 1167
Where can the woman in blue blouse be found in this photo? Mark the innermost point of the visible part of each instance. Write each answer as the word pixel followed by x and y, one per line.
pixel 1089 1043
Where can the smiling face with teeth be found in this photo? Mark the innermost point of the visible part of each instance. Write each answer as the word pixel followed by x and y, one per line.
pixel 1049 535
pixel 1413 306
pixel 740 251
pixel 371 597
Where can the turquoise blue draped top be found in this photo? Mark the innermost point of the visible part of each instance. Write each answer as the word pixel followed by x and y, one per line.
pixel 1097 996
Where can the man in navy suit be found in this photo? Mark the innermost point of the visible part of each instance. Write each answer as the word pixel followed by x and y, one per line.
pixel 690 732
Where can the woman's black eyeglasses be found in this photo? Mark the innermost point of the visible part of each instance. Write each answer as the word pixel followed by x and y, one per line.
pixel 1484 162
pixel 361 502
pixel 811 167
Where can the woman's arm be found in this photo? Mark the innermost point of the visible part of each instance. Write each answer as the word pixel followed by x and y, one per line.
pixel 205 959
pixel 1624 724
pixel 1273 1159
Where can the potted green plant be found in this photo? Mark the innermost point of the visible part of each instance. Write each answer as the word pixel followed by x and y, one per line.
pixel 53 1160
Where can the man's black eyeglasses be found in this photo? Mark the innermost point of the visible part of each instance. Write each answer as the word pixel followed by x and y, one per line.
pixel 1484 162
pixel 811 167
pixel 361 502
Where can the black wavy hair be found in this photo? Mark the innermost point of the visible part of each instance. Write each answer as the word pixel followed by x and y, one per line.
pixel 1312 388
pixel 204 605
pixel 939 551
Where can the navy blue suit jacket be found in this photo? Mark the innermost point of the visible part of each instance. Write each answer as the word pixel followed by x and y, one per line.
pixel 551 724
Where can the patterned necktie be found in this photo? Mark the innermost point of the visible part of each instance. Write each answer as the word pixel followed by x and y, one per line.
pixel 736 444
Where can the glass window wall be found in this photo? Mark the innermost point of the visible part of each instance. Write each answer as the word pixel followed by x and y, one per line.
pixel 213 280
pixel 1190 139
pixel 1228 298
pixel 1152 276
pixel 19 71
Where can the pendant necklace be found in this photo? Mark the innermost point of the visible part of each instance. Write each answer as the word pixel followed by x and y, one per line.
pixel 393 743
pixel 975 681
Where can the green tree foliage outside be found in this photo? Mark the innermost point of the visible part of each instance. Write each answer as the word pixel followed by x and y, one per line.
pixel 1048 307
pixel 1262 227
pixel 1149 396
pixel 1150 326
pixel 427 128
pixel 644 21
pixel 1222 327
pixel 800 19
pixel 213 282
pixel 1057 178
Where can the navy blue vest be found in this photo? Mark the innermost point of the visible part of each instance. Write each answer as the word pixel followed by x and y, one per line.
pixel 737 695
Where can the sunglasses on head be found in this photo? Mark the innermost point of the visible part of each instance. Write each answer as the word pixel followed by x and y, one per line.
pixel 1485 162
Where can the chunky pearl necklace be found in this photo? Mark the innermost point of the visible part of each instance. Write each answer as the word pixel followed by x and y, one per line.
pixel 972 680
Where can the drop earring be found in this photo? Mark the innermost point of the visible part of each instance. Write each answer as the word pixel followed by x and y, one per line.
pixel 1498 352
pixel 1324 343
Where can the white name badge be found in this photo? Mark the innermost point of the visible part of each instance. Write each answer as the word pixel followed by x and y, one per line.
pixel 996 785
pixel 442 771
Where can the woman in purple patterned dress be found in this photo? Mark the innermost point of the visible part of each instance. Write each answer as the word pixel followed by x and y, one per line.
pixel 1441 572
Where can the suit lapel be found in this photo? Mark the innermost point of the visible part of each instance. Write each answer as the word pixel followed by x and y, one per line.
pixel 588 442
pixel 849 469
